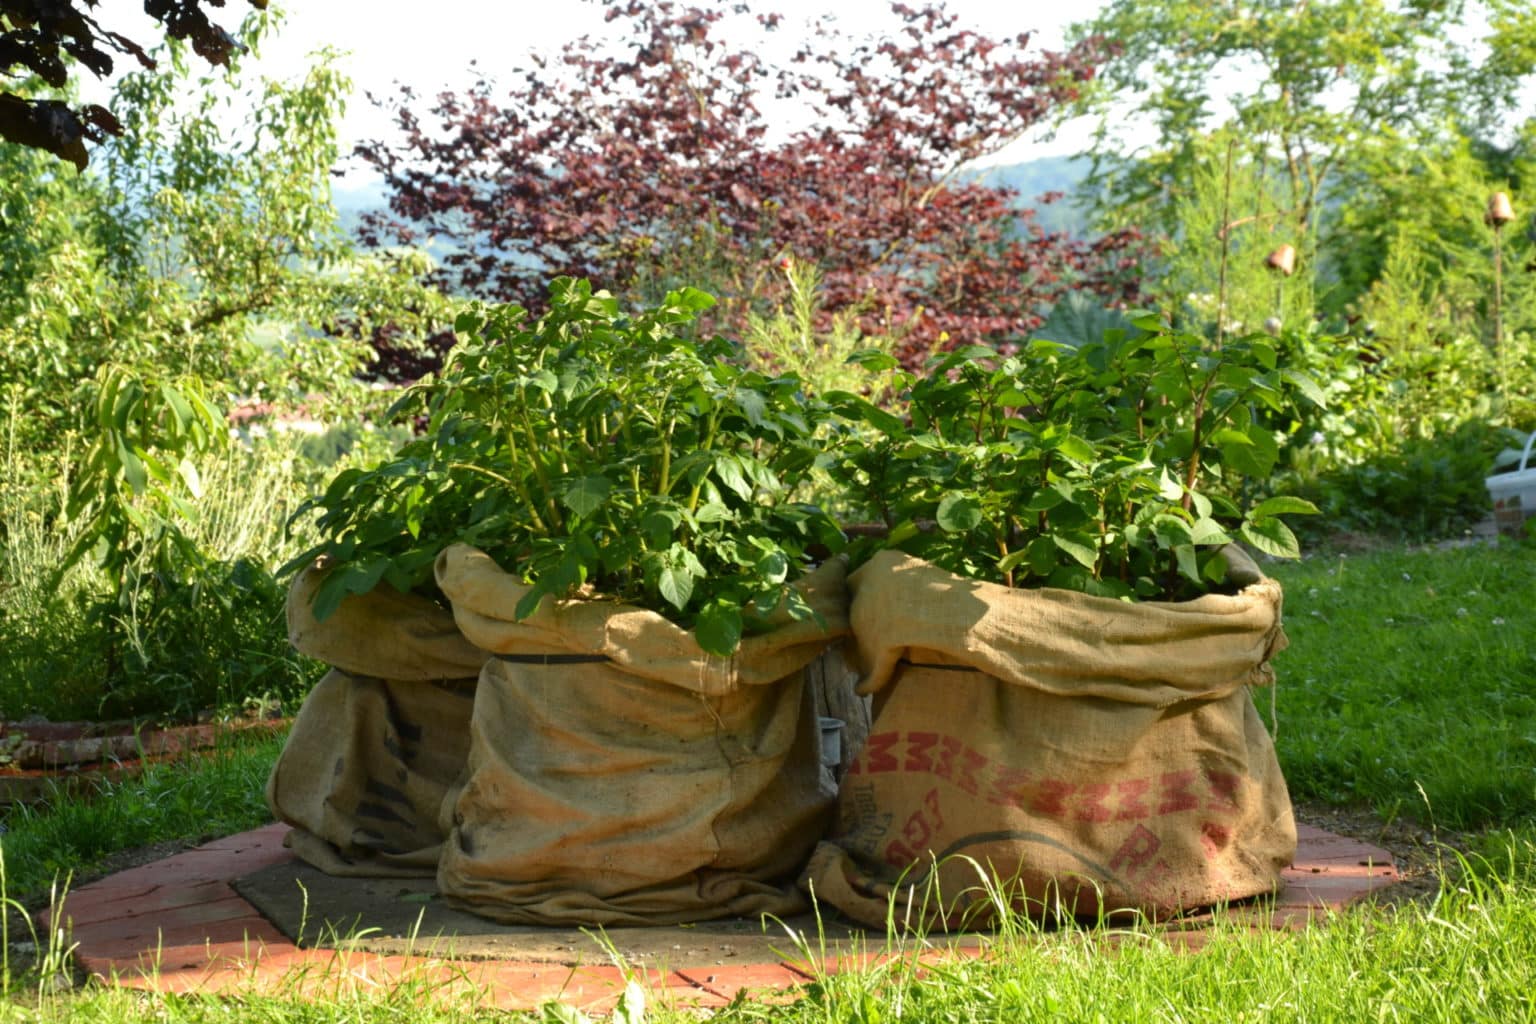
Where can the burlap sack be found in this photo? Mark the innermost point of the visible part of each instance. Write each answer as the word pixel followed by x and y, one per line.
pixel 1088 754
pixel 380 745
pixel 619 774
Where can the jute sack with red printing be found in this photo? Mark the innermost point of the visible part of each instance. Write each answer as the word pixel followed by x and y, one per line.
pixel 619 774
pixel 381 742
pixel 1084 754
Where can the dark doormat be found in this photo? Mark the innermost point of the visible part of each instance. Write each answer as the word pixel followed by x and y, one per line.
pixel 394 916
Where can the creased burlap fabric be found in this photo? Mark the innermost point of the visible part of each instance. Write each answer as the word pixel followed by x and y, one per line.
pixel 619 774
pixel 380 745
pixel 1088 753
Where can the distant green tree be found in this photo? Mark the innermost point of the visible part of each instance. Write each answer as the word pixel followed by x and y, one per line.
pixel 199 257
pixel 1431 200
pixel 1312 86
pixel 193 249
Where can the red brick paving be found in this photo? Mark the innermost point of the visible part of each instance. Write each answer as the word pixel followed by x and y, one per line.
pixel 176 925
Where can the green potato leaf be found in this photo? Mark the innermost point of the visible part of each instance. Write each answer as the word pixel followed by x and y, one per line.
pixel 1272 537
pixel 959 513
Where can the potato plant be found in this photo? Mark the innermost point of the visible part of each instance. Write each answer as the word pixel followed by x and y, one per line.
pixel 593 454
pixel 1116 467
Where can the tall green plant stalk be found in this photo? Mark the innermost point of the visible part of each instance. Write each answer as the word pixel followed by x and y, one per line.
pixel 1499 213
pixel 1226 245
pixel 1498 311
pixel 794 337
pixel 1498 290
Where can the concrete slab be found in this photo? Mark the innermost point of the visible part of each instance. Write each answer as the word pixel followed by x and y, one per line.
pixel 408 917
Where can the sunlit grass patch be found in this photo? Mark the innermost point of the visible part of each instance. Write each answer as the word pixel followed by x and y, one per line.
pixel 203 797
pixel 1408 671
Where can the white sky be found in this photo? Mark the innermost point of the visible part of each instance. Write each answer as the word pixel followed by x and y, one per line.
pixel 430 45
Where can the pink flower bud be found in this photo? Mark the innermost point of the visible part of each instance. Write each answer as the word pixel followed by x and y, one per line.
pixel 1283 259
pixel 1499 209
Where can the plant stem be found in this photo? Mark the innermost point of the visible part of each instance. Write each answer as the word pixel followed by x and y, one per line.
pixel 560 442
pixel 1045 481
pixel 1226 247
pixel 516 485
pixel 1498 310
pixel 709 441
pixel 1197 417
pixel 1098 561
pixel 556 520
pixel 664 482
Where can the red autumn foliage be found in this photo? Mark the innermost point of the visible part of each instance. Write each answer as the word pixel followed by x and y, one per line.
pixel 656 167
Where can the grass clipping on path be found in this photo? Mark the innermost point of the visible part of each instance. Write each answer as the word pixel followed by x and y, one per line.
pixel 1412 671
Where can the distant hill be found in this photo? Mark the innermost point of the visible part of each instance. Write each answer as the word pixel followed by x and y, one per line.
pixel 356 196
pixel 1033 178
pixel 354 200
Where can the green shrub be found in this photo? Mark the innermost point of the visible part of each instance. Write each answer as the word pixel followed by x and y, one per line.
pixel 201 630
pixel 1421 489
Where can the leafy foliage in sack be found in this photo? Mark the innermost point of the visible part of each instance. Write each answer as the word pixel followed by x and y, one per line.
pixel 1116 468
pixel 597 454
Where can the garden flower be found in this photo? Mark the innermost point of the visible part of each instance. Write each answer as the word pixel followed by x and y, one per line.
pixel 1500 211
pixel 1283 259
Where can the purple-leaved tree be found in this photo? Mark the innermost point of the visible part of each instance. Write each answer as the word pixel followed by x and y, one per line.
pixel 656 165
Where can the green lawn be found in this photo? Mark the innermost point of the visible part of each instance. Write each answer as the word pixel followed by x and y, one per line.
pixel 1469 957
pixel 212 796
pixel 1408 672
